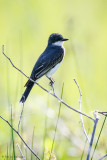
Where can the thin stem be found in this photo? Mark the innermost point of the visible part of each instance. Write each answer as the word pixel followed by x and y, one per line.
pixel 98 137
pixel 83 150
pixel 82 123
pixel 102 157
pixel 44 140
pixel 13 143
pixel 102 112
pixel 57 122
pixel 32 141
pixel 20 117
pixel 22 156
pixel 20 136
pixel 93 133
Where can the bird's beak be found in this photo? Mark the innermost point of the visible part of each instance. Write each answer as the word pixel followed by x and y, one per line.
pixel 65 39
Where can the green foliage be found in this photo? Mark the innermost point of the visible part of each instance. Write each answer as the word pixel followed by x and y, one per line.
pixel 32 142
pixel 57 122
pixel 13 143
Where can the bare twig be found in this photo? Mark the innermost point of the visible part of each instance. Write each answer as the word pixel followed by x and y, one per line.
pixel 22 156
pixel 53 94
pixel 82 123
pixel 20 117
pixel 99 137
pixel 20 137
pixel 93 133
pixel 102 112
pixel 102 157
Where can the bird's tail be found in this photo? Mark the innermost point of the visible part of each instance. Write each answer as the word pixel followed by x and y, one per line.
pixel 26 93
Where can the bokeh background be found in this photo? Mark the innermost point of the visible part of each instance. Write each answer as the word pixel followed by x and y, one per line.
pixel 24 30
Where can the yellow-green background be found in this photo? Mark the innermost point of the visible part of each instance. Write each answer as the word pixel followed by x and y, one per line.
pixel 25 26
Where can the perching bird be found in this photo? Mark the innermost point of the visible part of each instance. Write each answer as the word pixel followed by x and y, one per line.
pixel 47 63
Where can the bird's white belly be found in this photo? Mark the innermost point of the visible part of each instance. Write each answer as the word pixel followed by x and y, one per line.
pixel 53 70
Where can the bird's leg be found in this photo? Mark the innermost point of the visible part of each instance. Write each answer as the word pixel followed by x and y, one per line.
pixel 51 83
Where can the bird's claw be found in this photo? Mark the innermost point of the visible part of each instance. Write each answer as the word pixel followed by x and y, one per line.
pixel 51 83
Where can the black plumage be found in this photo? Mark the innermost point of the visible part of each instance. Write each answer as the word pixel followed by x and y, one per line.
pixel 52 56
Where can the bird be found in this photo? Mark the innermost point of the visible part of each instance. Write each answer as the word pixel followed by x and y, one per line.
pixel 47 63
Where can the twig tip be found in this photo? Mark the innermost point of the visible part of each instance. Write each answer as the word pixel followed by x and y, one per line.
pixel 95 113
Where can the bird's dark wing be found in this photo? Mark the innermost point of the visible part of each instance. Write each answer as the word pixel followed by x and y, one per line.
pixel 48 59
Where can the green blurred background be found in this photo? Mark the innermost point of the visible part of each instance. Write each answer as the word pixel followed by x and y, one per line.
pixel 24 30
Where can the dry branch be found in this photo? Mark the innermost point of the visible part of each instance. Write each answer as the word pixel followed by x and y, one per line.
pixel 20 137
pixel 102 157
pixel 53 94
pixel 61 101
pixel 82 123
pixel 93 133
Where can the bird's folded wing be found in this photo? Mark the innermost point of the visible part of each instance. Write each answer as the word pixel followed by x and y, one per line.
pixel 46 66
pixel 48 60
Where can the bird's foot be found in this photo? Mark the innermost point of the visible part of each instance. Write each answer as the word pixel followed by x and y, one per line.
pixel 52 84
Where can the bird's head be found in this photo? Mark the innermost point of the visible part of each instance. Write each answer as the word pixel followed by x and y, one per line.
pixel 56 39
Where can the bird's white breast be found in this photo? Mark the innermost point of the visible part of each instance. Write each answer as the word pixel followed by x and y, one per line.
pixel 53 70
